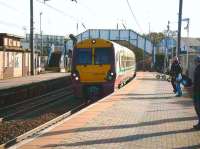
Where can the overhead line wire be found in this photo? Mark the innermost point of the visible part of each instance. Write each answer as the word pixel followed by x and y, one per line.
pixel 10 24
pixel 12 8
pixel 16 10
pixel 90 10
pixel 59 11
pixel 134 16
pixel 63 13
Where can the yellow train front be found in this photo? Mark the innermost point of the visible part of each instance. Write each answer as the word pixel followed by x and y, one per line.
pixel 99 66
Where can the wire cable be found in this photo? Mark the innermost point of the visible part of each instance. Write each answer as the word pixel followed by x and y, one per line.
pixel 12 8
pixel 62 12
pixel 11 24
pixel 59 11
pixel 90 10
pixel 134 16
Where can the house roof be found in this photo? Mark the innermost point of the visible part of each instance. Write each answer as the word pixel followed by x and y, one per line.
pixel 191 41
pixel 11 35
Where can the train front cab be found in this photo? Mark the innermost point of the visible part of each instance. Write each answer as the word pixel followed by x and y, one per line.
pixel 93 71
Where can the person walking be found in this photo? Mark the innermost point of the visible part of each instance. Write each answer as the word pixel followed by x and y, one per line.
pixel 173 74
pixel 176 72
pixel 196 90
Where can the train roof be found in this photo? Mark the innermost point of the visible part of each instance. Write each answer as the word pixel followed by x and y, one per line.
pixel 114 44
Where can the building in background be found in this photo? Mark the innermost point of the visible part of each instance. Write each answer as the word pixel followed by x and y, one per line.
pixel 42 43
pixel 14 60
pixel 190 44
pixel 190 47
pixel 43 46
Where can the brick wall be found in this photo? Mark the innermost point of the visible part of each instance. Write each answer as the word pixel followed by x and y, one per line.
pixel 7 65
pixel 7 72
pixel 25 64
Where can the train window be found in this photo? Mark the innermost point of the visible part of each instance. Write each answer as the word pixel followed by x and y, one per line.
pixel 102 56
pixel 84 56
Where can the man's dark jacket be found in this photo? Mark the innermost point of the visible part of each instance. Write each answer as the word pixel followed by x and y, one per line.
pixel 175 69
pixel 196 83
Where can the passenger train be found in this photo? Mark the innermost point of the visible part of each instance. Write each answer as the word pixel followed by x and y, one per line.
pixel 100 66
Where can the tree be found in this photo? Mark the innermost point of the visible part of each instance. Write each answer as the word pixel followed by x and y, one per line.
pixel 159 65
pixel 155 37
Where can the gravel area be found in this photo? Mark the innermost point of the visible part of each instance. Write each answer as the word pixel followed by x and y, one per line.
pixel 13 128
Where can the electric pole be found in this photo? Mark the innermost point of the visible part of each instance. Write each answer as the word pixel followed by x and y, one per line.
pixel 31 37
pixel 179 27
pixel 166 63
pixel 41 39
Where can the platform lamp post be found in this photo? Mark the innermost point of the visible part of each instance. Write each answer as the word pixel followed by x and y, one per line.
pixel 187 27
pixel 173 35
pixel 179 28
pixel 167 40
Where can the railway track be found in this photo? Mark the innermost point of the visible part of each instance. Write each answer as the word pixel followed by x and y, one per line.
pixel 33 104
pixel 37 130
pixel 20 118
pixel 43 104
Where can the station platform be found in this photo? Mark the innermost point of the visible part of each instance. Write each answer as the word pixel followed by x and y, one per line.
pixel 15 82
pixel 143 114
pixel 16 90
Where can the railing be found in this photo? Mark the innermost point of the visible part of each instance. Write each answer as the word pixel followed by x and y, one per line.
pixel 128 35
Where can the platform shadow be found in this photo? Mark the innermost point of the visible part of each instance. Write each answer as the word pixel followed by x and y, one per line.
pixel 120 139
pixel 136 94
pixel 176 109
pixel 147 98
pixel 141 124
pixel 185 103
pixel 189 147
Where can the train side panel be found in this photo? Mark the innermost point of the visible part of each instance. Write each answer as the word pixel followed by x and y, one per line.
pixel 125 65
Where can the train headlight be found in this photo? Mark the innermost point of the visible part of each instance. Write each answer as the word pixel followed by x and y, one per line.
pixel 75 75
pixel 110 76
pixel 93 41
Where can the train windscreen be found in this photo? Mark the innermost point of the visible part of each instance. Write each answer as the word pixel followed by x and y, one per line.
pixel 84 56
pixel 102 56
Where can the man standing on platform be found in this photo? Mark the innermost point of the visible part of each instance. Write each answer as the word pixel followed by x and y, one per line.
pixel 173 75
pixel 175 72
pixel 196 90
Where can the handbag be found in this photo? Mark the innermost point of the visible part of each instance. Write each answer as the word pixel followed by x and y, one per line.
pixel 186 81
pixel 179 77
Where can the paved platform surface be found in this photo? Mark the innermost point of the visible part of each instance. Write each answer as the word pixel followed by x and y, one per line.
pixel 143 114
pixel 14 82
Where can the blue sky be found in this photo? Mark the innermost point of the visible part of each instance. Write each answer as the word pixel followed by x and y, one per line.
pixel 60 17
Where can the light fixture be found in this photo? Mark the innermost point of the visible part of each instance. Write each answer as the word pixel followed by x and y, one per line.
pixel 93 41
